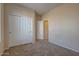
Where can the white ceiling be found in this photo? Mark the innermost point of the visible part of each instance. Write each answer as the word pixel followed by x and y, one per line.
pixel 40 8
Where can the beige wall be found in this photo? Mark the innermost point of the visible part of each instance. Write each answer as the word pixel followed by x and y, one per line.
pixel 17 10
pixel 64 26
pixel 1 28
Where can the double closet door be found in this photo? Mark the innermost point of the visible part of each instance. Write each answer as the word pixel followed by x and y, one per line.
pixel 20 30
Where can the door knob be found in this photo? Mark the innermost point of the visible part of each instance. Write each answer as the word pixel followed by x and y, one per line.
pixel 10 32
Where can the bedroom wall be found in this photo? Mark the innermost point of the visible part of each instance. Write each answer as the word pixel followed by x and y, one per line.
pixel 64 26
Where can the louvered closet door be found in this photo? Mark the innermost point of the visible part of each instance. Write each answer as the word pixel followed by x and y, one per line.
pixel 20 30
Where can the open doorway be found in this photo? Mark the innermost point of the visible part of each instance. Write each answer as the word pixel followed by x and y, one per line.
pixel 46 30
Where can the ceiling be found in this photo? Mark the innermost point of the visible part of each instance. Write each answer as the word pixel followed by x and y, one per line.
pixel 40 8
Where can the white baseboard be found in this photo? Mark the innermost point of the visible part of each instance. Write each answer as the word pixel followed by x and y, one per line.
pixel 65 47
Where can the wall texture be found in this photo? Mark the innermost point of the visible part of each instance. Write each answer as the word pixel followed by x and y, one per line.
pixel 1 28
pixel 15 9
pixel 64 26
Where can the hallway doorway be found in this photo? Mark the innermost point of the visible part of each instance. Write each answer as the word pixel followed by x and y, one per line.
pixel 46 30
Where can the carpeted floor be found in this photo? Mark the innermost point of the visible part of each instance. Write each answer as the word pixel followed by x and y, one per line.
pixel 40 48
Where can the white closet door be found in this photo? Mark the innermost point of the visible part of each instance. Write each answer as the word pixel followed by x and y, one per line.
pixel 11 30
pixel 20 30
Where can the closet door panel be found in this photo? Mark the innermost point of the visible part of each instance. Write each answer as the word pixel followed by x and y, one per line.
pixel 20 29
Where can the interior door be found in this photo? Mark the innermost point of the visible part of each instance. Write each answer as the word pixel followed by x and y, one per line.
pixel 20 30
pixel 11 30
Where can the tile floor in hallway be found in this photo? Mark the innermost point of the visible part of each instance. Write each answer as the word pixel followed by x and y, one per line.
pixel 40 48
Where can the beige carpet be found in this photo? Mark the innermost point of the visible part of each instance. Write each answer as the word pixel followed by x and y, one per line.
pixel 40 48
